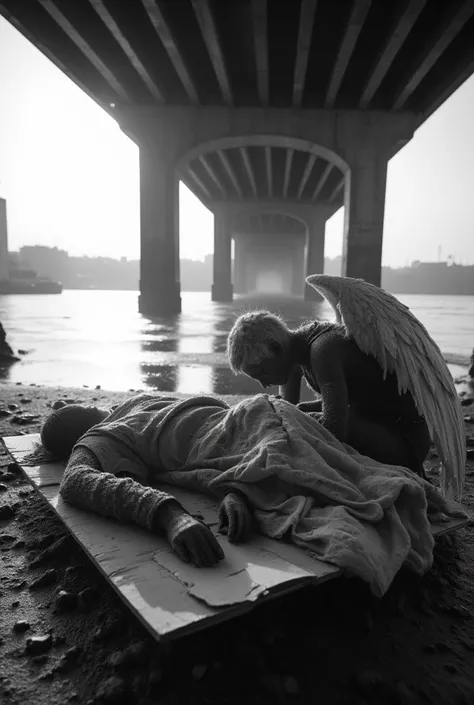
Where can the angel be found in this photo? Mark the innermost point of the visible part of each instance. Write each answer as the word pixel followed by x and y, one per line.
pixel 384 386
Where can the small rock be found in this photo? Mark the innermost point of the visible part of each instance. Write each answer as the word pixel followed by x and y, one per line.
pixel 6 512
pixel 4 412
pixel 467 401
pixel 20 584
pixel 8 477
pixel 291 685
pixel 19 544
pixel 112 690
pixel 199 671
pixel 469 419
pixel 66 601
pixel 14 468
pixel 44 580
pixel 97 386
pixel 13 407
pixel 3 488
pixel 21 626
pixel 25 400
pixel 15 604
pixel 24 419
pixel 39 644
pixel 6 540
pixel 58 404
pixel 470 453
pixel 24 493
pixel 39 660
pixel 23 352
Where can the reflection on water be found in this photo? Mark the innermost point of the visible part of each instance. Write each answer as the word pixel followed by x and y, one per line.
pixel 98 337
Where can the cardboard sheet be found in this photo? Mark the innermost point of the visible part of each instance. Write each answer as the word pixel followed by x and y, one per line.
pixel 170 597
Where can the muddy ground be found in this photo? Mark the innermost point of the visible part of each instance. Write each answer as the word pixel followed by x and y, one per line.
pixel 65 636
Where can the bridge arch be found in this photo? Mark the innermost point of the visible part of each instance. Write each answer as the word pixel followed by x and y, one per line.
pixel 264 140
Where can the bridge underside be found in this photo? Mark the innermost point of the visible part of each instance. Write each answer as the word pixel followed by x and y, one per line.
pixel 349 54
pixel 274 113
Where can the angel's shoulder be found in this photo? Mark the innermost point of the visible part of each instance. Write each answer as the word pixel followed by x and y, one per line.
pixel 331 341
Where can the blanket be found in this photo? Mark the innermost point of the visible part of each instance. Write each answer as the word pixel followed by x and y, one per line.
pixel 361 515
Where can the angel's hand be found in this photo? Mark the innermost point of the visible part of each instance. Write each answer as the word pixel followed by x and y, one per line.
pixel 311 406
pixel 235 518
pixel 192 540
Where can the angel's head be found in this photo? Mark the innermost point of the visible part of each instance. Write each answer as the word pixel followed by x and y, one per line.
pixel 65 425
pixel 259 345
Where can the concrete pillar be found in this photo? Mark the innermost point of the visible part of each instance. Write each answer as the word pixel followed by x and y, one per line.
pixel 159 235
pixel 4 264
pixel 298 274
pixel 240 266
pixel 315 247
pixel 364 202
pixel 222 289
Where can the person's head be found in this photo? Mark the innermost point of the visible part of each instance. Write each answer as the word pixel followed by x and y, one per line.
pixel 64 426
pixel 259 345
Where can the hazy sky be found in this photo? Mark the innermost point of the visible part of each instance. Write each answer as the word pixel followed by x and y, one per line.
pixel 71 176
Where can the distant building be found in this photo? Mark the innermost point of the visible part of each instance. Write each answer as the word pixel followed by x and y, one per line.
pixel 46 261
pixel 4 260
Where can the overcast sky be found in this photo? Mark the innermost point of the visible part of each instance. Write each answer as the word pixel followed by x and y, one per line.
pixel 71 176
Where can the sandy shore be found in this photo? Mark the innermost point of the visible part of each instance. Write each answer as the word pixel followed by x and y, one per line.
pixel 331 644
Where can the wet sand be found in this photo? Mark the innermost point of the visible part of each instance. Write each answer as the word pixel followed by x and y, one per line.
pixel 66 638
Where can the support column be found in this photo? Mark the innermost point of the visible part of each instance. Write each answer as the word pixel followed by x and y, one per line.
pixel 298 285
pixel 240 267
pixel 222 289
pixel 364 202
pixel 4 264
pixel 159 236
pixel 315 249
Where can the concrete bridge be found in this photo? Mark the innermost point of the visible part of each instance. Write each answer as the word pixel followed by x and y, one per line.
pixel 274 113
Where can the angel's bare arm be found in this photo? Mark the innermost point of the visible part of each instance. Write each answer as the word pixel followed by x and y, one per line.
pixel 291 390
pixel 328 371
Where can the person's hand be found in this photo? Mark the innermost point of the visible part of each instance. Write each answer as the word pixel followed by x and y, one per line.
pixel 235 518
pixel 191 540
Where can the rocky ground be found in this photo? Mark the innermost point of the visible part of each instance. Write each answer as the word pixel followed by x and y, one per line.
pixel 65 636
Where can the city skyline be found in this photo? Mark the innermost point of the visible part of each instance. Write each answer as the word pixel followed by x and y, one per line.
pixel 71 176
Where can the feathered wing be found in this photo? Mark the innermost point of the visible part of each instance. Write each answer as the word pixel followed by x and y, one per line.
pixel 384 327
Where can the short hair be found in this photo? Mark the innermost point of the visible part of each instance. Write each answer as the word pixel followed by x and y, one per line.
pixel 253 337
pixel 63 428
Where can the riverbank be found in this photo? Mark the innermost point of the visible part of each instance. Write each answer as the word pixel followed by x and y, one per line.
pixel 331 644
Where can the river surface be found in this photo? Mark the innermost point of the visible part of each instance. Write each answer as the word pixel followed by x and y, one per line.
pixel 98 337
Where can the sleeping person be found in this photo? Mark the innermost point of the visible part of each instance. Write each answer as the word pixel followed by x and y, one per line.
pixel 270 465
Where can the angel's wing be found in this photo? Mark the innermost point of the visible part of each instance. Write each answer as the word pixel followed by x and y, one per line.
pixel 385 328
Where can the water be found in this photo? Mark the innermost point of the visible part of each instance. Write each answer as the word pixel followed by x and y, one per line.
pixel 98 337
